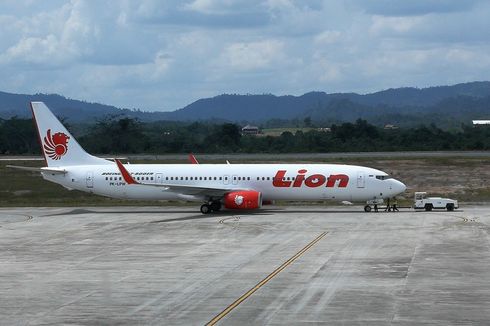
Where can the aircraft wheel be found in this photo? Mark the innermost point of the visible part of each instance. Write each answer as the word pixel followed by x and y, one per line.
pixel 367 208
pixel 205 209
pixel 215 206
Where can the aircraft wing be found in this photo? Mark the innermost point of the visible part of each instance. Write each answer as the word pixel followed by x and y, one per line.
pixel 192 190
pixel 181 189
pixel 34 169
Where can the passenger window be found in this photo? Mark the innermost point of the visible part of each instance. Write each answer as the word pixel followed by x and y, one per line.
pixel 268 178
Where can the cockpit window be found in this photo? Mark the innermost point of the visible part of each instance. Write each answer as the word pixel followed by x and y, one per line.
pixel 383 177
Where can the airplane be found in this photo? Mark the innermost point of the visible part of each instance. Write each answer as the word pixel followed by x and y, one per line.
pixel 233 186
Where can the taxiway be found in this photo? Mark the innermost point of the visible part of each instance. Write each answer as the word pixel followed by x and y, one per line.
pixel 282 265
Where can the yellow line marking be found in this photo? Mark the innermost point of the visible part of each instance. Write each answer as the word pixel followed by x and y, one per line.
pixel 264 281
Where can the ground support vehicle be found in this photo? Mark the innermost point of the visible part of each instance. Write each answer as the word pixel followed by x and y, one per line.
pixel 430 203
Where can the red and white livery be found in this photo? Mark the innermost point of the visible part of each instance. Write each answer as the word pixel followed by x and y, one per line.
pixel 234 186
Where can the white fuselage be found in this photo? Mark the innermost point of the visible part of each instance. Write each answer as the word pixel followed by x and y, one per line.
pixel 274 181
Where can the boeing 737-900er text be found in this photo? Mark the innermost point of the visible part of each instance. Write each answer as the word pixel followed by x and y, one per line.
pixel 234 186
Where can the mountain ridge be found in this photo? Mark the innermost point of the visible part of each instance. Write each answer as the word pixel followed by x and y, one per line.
pixel 472 98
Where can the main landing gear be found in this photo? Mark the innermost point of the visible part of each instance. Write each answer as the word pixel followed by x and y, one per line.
pixel 212 206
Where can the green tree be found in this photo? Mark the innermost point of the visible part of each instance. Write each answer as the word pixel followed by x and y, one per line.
pixel 18 136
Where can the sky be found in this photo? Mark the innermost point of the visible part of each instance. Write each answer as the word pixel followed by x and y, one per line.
pixel 162 55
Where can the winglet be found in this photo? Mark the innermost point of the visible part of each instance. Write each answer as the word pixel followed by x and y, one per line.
pixel 193 159
pixel 125 174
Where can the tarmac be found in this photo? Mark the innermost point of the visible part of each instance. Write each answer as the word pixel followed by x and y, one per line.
pixel 281 265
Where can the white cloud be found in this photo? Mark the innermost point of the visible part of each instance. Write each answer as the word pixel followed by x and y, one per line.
pixel 162 63
pixel 216 6
pixel 34 50
pixel 252 55
pixel 403 8
pixel 68 35
pixel 149 52
pixel 328 37
pixel 395 25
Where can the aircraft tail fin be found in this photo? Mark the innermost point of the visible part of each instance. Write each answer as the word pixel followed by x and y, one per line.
pixel 58 146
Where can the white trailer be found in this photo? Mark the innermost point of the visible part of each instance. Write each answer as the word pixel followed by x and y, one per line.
pixel 430 203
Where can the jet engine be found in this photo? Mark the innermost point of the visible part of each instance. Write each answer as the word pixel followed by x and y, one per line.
pixel 246 199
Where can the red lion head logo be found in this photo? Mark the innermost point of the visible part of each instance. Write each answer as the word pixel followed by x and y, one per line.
pixel 56 145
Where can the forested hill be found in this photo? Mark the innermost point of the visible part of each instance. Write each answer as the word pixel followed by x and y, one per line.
pixel 458 103
pixel 339 106
pixel 73 110
pixel 463 102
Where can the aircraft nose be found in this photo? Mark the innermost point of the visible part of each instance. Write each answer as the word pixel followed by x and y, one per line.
pixel 398 187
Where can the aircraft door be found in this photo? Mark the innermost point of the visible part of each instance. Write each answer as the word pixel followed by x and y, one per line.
pixel 158 178
pixel 361 180
pixel 90 179
pixel 226 179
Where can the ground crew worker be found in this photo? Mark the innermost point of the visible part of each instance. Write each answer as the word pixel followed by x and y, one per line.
pixel 388 207
pixel 395 203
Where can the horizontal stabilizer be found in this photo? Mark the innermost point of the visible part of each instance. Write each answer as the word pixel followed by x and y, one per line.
pixel 34 169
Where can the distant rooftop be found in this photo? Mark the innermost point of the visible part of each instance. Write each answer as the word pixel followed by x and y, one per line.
pixel 251 130
pixel 481 122
pixel 249 127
